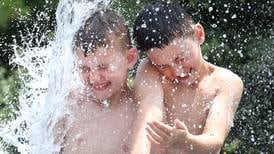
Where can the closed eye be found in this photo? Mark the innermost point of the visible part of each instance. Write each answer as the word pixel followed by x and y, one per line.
pixel 162 66
pixel 85 69
pixel 102 66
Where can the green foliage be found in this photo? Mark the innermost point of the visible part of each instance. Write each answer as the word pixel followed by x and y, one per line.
pixel 129 8
pixel 16 15
pixel 7 147
pixel 231 145
pixel 9 86
pixel 254 119
pixel 244 45
pixel 10 10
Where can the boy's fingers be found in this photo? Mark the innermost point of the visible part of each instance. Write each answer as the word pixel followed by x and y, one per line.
pixel 154 135
pixel 179 124
pixel 152 140
pixel 161 133
pixel 166 128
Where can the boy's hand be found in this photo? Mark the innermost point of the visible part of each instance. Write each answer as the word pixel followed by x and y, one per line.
pixel 163 135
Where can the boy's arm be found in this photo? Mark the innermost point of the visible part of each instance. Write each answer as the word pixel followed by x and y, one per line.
pixel 217 127
pixel 58 131
pixel 149 93
pixel 220 118
pixel 60 127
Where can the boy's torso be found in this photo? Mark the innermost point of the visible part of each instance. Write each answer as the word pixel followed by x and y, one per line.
pixel 100 130
pixel 190 104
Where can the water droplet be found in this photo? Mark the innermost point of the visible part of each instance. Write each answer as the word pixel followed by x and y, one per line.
pixel 210 9
pixel 233 16
pixel 191 147
pixel 213 25
pixel 144 25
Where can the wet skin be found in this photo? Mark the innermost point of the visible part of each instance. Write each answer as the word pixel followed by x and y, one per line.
pixel 195 100
pixel 99 127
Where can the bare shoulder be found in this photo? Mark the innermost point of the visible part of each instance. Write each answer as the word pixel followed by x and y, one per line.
pixel 72 94
pixel 228 78
pixel 77 94
pixel 229 83
pixel 146 69
pixel 147 77
pixel 147 85
pixel 59 129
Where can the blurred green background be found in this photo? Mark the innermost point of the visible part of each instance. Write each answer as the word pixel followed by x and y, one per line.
pixel 239 36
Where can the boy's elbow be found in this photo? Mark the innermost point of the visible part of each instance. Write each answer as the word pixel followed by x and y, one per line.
pixel 219 145
pixel 216 146
pixel 213 148
pixel 209 144
pixel 213 144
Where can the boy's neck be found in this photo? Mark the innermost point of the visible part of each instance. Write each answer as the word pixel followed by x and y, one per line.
pixel 204 70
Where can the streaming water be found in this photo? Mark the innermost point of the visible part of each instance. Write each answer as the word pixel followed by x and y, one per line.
pixel 47 71
pixel 47 75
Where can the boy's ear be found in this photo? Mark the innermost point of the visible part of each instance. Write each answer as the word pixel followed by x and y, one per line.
pixel 132 57
pixel 199 33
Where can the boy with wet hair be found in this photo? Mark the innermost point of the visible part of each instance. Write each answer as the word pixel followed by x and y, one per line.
pixel 103 112
pixel 187 104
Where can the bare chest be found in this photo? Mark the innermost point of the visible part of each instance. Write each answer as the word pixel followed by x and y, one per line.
pixel 188 105
pixel 101 131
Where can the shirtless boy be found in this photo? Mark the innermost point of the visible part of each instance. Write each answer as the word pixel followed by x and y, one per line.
pixel 187 105
pixel 104 112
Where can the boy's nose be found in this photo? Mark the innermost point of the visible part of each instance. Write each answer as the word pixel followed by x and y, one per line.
pixel 96 76
pixel 179 60
pixel 178 71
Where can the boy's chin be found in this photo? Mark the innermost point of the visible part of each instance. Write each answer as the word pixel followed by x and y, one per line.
pixel 189 82
pixel 101 97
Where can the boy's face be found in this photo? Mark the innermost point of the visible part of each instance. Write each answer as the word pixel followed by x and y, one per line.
pixel 179 61
pixel 104 72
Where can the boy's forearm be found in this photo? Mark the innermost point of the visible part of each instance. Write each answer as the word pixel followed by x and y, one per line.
pixel 205 143
pixel 141 144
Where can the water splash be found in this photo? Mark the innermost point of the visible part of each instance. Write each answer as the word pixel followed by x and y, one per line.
pixel 47 75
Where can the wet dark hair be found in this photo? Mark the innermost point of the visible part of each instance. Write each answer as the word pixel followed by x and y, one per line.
pixel 159 23
pixel 99 29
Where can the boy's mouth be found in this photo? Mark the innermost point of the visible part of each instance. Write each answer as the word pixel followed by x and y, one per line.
pixel 183 76
pixel 100 86
pixel 182 79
